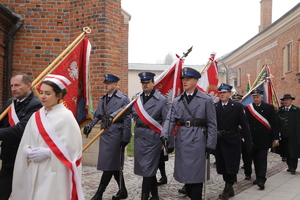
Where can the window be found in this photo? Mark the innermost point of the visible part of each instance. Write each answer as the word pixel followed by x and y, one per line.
pixel 258 67
pixel 239 77
pixel 287 58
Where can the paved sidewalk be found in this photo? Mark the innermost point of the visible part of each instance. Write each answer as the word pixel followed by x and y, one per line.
pixel 281 182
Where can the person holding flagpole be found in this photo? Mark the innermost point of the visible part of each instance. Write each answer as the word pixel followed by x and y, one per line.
pixel 48 162
pixel 149 113
pixel 196 136
pixel 115 137
pixel 23 105
pixel 264 130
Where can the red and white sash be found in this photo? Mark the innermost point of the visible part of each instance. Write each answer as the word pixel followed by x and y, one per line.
pixel 61 152
pixel 12 115
pixel 146 118
pixel 259 117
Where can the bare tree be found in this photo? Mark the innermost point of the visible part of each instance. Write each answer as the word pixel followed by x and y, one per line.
pixel 168 59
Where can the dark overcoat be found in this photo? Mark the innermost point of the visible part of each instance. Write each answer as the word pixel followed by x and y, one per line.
pixel 147 143
pixel 191 142
pixel 11 135
pixel 289 127
pixel 229 147
pixel 110 140
pixel 262 137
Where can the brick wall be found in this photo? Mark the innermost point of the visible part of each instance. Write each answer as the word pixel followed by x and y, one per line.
pixel 50 26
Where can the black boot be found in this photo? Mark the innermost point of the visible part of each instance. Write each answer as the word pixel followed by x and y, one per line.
pixel 182 190
pixel 99 193
pixel 162 180
pixel 145 196
pixel 122 194
pixel 154 192
pixel 227 192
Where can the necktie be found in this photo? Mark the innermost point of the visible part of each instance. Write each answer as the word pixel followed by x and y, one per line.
pixel 224 106
pixel 108 99
pixel 189 98
pixel 17 103
pixel 286 109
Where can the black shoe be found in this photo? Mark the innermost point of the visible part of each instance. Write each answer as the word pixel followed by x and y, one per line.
pixel 247 177
pixel 182 190
pixel 162 180
pixel 288 170
pixel 145 196
pixel 261 185
pixel 122 194
pixel 255 182
pixel 293 171
pixel 154 198
pixel 99 193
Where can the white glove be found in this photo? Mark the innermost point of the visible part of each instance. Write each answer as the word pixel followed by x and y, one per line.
pixel 38 154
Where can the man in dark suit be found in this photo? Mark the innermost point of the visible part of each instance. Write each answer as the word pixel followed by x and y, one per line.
pixel 288 117
pixel 230 115
pixel 24 104
pixel 264 130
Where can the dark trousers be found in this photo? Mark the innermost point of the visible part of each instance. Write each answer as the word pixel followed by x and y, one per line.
pixel 6 176
pixel 107 175
pixel 260 163
pixel 194 191
pixel 291 162
pixel 149 184
pixel 230 178
pixel 247 160
pixel 161 164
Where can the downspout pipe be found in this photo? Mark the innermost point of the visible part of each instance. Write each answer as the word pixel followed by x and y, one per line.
pixel 9 41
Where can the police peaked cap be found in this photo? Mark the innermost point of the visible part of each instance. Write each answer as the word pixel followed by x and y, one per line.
pixel 146 77
pixel 237 97
pixel 257 92
pixel 109 78
pixel 188 72
pixel 225 88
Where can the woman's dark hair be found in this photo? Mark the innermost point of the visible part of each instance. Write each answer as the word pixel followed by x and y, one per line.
pixel 56 89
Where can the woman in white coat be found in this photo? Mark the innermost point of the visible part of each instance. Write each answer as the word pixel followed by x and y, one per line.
pixel 48 162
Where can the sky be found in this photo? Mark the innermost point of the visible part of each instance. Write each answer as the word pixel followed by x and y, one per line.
pixel 160 27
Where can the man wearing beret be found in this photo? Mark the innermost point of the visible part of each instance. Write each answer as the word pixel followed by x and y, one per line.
pixel 149 114
pixel 264 130
pixel 288 117
pixel 196 136
pixel 114 139
pixel 230 115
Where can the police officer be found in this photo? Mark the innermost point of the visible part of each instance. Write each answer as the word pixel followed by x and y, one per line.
pixel 147 143
pixel 264 129
pixel 230 115
pixel 196 135
pixel 246 155
pixel 288 117
pixel 115 137
pixel 11 131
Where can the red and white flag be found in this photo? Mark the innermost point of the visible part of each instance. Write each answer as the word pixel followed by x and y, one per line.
pixel 209 81
pixel 75 68
pixel 169 82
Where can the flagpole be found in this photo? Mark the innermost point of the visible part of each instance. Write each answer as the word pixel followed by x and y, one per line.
pixel 114 119
pixel 253 89
pixel 213 54
pixel 262 70
pixel 85 30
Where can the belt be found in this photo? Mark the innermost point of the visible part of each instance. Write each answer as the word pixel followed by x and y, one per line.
pixel 141 125
pixel 192 123
pixel 118 121
pixel 231 132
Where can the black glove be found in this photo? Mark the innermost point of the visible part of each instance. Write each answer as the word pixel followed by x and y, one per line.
pixel 249 147
pixel 123 145
pixel 208 151
pixel 87 129
pixel 109 121
pixel 170 150
pixel 219 135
